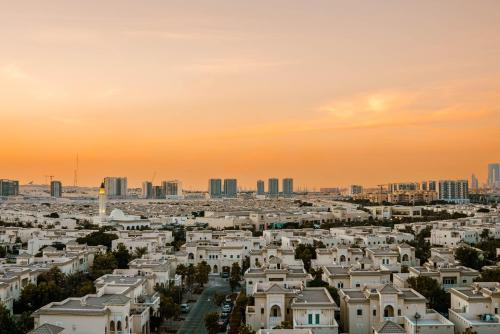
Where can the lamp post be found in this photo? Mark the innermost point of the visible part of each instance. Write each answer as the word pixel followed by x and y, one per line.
pixel 417 316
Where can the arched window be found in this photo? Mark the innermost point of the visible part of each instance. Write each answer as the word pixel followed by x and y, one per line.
pixel 126 322
pixel 119 326
pixel 388 311
pixel 191 256
pixel 112 326
pixel 405 257
pixel 342 258
pixel 275 311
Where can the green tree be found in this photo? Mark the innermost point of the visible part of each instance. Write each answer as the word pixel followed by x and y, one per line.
pixel 104 264
pixel 285 325
pixel 485 234
pixel 122 256
pixel 168 308
pixel 235 277
pixel 489 276
pixel 8 325
pixel 54 275
pixel 201 273
pixel 430 289
pixel 469 257
pixel 219 298
pixel 211 324
pixel 98 238
pixel 190 275
pixel 182 271
pixel 245 329
pixel 140 251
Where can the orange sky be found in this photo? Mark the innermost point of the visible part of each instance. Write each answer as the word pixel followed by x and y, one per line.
pixel 327 92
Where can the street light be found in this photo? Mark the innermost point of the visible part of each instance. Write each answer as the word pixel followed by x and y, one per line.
pixel 417 316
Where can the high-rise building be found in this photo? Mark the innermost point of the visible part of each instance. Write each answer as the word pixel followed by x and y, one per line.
pixel 230 188
pixel 493 175
pixel 172 188
pixel 147 189
pixel 9 187
pixel 116 187
pixel 429 186
pixel 55 188
pixel 260 187
pixel 102 203
pixel 403 186
pixel 287 187
pixel 158 192
pixel 474 184
pixel 273 187
pixel 456 191
pixel 215 188
pixel 355 189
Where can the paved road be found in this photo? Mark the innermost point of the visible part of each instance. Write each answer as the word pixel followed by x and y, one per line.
pixel 194 322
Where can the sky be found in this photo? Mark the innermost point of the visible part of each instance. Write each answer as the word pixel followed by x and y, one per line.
pixel 330 93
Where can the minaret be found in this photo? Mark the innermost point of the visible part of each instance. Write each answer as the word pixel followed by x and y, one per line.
pixel 102 203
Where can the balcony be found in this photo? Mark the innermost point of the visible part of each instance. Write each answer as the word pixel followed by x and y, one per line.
pixel 275 321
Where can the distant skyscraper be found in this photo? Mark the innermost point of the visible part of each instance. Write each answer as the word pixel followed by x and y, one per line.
pixel 456 191
pixel 102 203
pixel 273 187
pixel 158 192
pixel 9 187
pixel 355 189
pixel 493 175
pixel 116 187
pixel 230 188
pixel 474 182
pixel 260 187
pixel 147 189
pixel 172 188
pixel 55 188
pixel 215 188
pixel 287 187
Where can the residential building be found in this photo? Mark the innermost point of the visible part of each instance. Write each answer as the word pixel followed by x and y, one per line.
pixel 448 276
pixel 230 188
pixel 429 185
pixel 273 187
pixel 474 185
pixel 116 187
pixel 475 308
pixel 305 308
pixel 287 187
pixel 172 189
pixel 493 175
pixel 9 188
pixel 147 189
pixel 55 189
pixel 454 191
pixel 355 189
pixel 215 188
pixel 403 186
pixel 363 309
pixel 260 188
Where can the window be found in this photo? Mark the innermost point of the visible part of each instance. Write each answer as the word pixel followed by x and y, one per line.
pixel 374 313
pixel 317 318
pixel 250 282
pixel 261 310
pixel 310 319
pixel 399 312
pixel 360 312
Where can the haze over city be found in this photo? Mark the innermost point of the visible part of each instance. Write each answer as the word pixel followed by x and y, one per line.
pixel 326 92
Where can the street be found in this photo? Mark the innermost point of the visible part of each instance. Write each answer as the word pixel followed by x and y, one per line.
pixel 194 322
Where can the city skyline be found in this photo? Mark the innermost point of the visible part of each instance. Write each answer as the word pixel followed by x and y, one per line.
pixel 330 94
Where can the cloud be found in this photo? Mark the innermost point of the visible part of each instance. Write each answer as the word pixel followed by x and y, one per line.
pixel 234 66
pixel 14 72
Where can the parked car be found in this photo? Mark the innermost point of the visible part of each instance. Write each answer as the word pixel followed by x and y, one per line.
pixel 185 308
pixel 226 308
pixel 225 274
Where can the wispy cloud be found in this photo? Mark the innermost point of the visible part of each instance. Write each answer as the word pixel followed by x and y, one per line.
pixel 235 66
